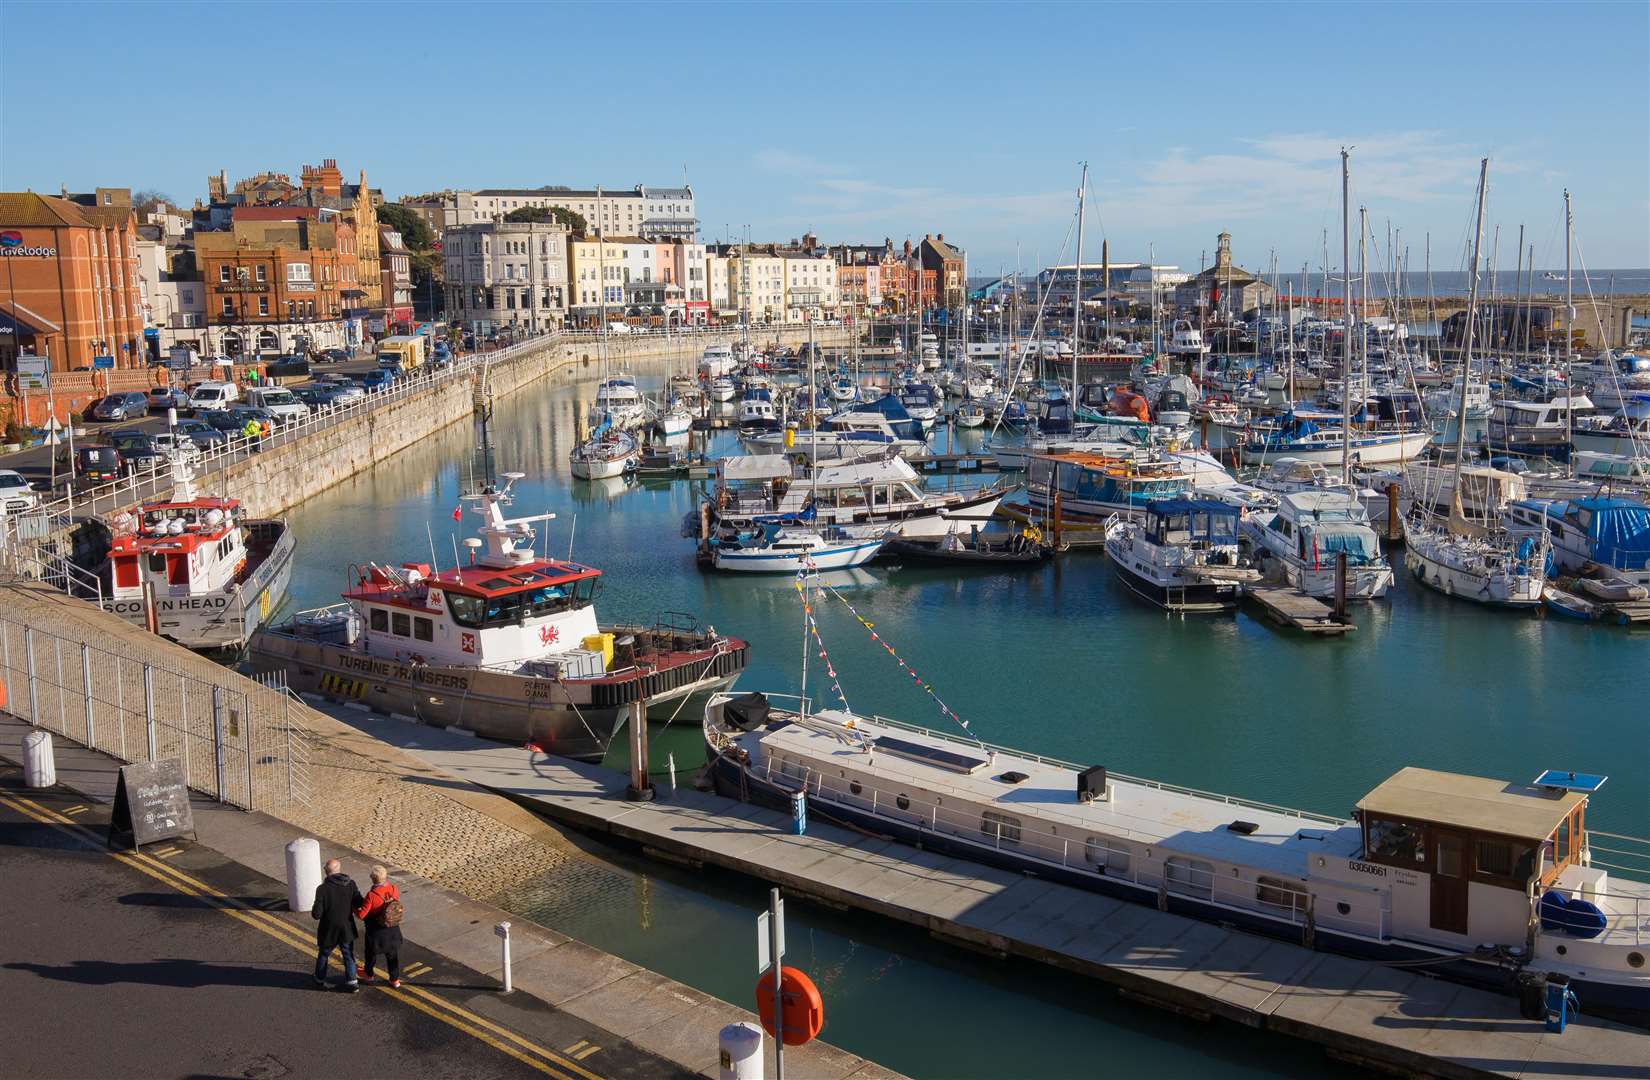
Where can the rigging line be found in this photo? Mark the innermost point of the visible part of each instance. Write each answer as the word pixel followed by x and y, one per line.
pixel 1603 338
pixel 1036 331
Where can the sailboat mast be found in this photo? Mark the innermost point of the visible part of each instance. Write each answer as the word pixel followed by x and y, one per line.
pixel 1290 361
pixel 1363 304
pixel 1472 312
pixel 1077 291
pixel 1151 257
pixel 1346 311
pixel 1518 280
pixel 1569 328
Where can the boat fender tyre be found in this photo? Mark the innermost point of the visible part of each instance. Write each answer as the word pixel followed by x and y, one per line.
pixel 1449 586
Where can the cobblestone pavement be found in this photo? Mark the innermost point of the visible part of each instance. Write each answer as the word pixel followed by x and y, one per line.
pixel 362 793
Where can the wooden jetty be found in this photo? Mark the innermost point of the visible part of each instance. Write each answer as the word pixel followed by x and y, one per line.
pixel 1292 608
pixel 954 463
pixel 1398 1020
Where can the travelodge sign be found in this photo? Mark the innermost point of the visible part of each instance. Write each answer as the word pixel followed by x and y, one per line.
pixel 11 244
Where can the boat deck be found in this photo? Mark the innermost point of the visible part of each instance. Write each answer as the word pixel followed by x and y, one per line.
pixel 1399 1020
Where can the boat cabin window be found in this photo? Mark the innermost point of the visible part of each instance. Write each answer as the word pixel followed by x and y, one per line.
pixel 1278 893
pixel 512 608
pixel 401 622
pixel 380 619
pixel 423 629
pixel 157 562
pixel 1396 843
pixel 1190 877
pixel 1505 859
pixel 1105 858
pixel 1000 827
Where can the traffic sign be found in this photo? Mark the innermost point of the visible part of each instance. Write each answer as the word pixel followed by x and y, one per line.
pixel 767 934
pixel 102 363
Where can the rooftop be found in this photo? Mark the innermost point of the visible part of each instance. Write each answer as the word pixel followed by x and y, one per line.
pixel 1472 802
pixel 26 208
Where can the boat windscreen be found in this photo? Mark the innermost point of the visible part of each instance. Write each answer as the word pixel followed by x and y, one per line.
pixel 930 755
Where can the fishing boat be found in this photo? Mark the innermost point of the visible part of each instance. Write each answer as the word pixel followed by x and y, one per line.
pixel 1306 536
pixel 1182 554
pixel 756 411
pixel 209 574
pixel 771 548
pixel 507 646
pixel 1473 877
pixel 608 452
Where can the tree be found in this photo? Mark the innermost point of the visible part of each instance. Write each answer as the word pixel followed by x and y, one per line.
pixel 571 218
pixel 414 232
pixel 147 199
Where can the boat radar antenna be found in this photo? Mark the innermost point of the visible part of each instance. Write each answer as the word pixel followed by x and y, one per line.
pixel 183 478
pixel 501 534
pixel 481 408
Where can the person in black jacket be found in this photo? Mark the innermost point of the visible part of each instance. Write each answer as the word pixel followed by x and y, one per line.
pixel 336 899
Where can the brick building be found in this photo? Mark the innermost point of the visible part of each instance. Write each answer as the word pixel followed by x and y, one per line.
pixel 71 287
pixel 277 280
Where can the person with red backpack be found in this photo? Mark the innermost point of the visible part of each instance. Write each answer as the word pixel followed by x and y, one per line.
pixel 380 912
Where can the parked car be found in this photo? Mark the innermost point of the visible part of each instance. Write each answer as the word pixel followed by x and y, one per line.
pixel 286 406
pixel 212 395
pixel 162 398
pixel 345 392
pixel 138 451
pixel 332 356
pixel 242 413
pixel 168 442
pixel 122 406
pixel 382 379
pixel 201 433
pixel 317 395
pixel 222 420
pixel 97 462
pixel 16 493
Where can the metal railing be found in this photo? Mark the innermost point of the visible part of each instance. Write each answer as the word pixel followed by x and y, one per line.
pixel 239 745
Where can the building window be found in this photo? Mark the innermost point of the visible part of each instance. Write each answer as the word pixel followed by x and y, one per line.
pixel 263 272
pixel 223 273
pixel 228 306
pixel 263 305
pixel 291 309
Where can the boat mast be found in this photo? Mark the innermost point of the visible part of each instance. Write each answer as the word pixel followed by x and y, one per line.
pixel 1077 291
pixel 1346 311
pixel 1363 304
pixel 1466 344
pixel 1151 257
pixel 1290 359
pixel 1569 335
pixel 1518 280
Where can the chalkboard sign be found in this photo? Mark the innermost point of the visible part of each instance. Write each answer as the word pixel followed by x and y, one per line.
pixel 151 803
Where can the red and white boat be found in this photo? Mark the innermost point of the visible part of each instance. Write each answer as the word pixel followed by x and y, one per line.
pixel 507 646
pixel 206 574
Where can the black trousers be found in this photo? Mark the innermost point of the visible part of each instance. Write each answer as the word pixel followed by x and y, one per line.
pixel 383 941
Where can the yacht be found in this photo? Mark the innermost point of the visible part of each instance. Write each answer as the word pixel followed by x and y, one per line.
pixel 1300 438
pixel 756 411
pixel 882 491
pixel 922 402
pixel 608 452
pixel 1482 564
pixel 788 549
pixel 1443 401
pixel 717 360
pixel 618 399
pixel 1181 554
pixel 1592 535
pixel 675 420
pixel 507 646
pixel 1306 536
pixel 1626 434
pixel 1470 876
pixel 211 574
pixel 1186 342
pixel 1536 427
pixel 1092 487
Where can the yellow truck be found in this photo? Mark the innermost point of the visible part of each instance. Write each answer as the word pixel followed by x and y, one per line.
pixel 405 352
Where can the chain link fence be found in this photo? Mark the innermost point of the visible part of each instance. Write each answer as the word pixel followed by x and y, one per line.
pixel 240 745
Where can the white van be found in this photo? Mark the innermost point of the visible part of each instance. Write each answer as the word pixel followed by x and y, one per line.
pixel 278 400
pixel 212 395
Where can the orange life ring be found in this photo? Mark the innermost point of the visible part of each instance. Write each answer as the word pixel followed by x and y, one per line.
pixel 803 1008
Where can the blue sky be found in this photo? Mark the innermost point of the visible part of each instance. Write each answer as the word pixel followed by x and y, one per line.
pixel 865 121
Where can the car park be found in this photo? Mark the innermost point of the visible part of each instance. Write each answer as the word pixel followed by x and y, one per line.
pixel 122 406
pixel 382 379
pixel 138 451
pixel 212 395
pixel 200 433
pixel 224 421
pixel 16 493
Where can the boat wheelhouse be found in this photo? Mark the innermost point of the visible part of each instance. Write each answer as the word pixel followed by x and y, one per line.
pixel 1474 877
pixel 1535 427
pixel 208 574
pixel 1594 534
pixel 1626 434
pixel 507 646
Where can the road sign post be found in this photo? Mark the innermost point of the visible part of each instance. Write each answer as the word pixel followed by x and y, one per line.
pixel 770 955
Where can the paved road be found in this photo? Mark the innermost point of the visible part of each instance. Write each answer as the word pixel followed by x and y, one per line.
pixel 173 963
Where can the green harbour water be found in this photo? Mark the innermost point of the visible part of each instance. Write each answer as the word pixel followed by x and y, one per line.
pixel 1060 660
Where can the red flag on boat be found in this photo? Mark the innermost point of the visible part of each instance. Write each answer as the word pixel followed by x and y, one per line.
pixel 458 513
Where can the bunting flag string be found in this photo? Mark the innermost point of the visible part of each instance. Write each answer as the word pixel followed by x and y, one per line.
pixel 813 631
pixel 916 678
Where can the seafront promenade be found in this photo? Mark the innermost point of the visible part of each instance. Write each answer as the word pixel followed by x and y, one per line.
pixel 450 845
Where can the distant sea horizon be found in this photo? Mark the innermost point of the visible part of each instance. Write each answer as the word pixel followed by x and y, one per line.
pixel 1506 283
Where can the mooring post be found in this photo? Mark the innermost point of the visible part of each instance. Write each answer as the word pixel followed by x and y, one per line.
pixel 640 790
pixel 1340 586
pixel 1393 526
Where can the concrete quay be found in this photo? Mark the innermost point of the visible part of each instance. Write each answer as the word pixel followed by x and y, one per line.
pixel 1383 1017
pixel 450 846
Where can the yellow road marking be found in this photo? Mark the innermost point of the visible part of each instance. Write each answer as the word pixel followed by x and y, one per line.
pixel 76 810
pixel 281 930
pixel 576 1047
pixel 586 1052
pixel 418 968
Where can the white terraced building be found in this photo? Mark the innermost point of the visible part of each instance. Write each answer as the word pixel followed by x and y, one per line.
pixel 506 275
pixel 648 212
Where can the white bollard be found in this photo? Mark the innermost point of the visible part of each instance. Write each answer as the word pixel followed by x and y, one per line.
pixel 741 1052
pixel 39 762
pixel 303 873
pixel 503 932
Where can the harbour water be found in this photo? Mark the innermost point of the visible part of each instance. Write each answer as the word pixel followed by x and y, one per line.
pixel 1060 660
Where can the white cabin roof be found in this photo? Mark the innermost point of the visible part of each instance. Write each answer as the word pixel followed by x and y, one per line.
pixel 1188 822
pixel 757 467
pixel 882 471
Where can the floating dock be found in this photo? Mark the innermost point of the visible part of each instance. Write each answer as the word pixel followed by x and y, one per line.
pixel 1398 1020
pixel 1294 609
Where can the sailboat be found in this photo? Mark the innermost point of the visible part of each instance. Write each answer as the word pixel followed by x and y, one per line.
pixel 610 451
pixel 1481 563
